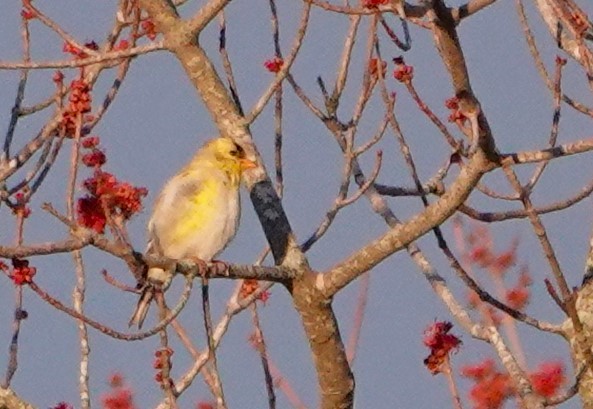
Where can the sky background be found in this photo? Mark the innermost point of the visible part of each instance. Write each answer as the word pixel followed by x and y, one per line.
pixel 157 122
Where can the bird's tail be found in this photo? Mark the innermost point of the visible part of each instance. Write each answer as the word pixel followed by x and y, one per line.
pixel 156 278
pixel 142 307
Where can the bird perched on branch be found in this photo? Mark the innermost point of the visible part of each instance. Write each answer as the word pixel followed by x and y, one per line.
pixel 196 214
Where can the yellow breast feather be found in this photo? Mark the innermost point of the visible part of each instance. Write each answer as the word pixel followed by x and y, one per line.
pixel 200 207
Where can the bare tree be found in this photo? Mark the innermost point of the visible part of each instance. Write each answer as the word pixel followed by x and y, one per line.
pixel 343 107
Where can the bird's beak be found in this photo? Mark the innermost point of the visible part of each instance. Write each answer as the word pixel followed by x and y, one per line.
pixel 247 164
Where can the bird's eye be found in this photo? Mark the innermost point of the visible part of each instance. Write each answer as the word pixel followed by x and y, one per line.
pixel 237 152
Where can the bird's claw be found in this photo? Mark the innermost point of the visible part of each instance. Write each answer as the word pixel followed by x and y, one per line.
pixel 202 267
pixel 220 266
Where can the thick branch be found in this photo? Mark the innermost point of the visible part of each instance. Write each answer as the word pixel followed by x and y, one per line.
pixel 205 16
pixel 10 400
pixel 244 272
pixel 336 382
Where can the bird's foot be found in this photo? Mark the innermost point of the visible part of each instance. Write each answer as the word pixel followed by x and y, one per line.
pixel 202 266
pixel 220 266
pixel 220 263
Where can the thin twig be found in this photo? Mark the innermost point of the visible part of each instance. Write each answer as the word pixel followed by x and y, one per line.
pixel 402 45
pixel 539 63
pixel 344 65
pixel 40 106
pixel 260 345
pixel 78 301
pixel 491 217
pixel 79 289
pixel 374 174
pixel 117 284
pixel 431 115
pixel 279 183
pixel 187 343
pixel 234 307
pixel 342 201
pixel 20 95
pixel 108 56
pixel 226 62
pixel 358 318
pixel 218 391
pixel 42 17
pixel 448 371
pixel 281 75
pixel 19 313
pixel 164 354
pixel 110 331
pixel 41 168
pixel 555 124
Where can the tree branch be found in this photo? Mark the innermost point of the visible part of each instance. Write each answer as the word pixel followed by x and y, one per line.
pixel 401 235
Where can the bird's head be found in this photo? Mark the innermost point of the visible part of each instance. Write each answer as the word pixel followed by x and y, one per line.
pixel 225 154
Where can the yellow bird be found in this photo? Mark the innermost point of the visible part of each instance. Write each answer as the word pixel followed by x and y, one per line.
pixel 196 214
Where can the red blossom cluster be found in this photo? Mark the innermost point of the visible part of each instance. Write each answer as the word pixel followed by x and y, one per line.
pixel 493 387
pixel 77 52
pixel 518 296
pixel 21 272
pixel 122 45
pixel 402 72
pixel 441 343
pixel 373 3
pixel 62 405
pixel 27 13
pixel 79 102
pixel 548 378
pixel 256 341
pixel 91 214
pixel 20 208
pixel 116 380
pixel 498 263
pixel 70 48
pixel 120 396
pixel 162 359
pixel 91 142
pixel 107 197
pixel 580 23
pixel 456 115
pixel 249 287
pixel 377 67
pixel 483 254
pixel 58 77
pixel 95 157
pixel 148 29
pixel 560 60
pixel 274 64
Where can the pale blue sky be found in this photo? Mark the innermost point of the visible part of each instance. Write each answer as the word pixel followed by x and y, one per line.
pixel 156 123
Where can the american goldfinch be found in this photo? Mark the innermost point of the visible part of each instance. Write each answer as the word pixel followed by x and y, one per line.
pixel 196 214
